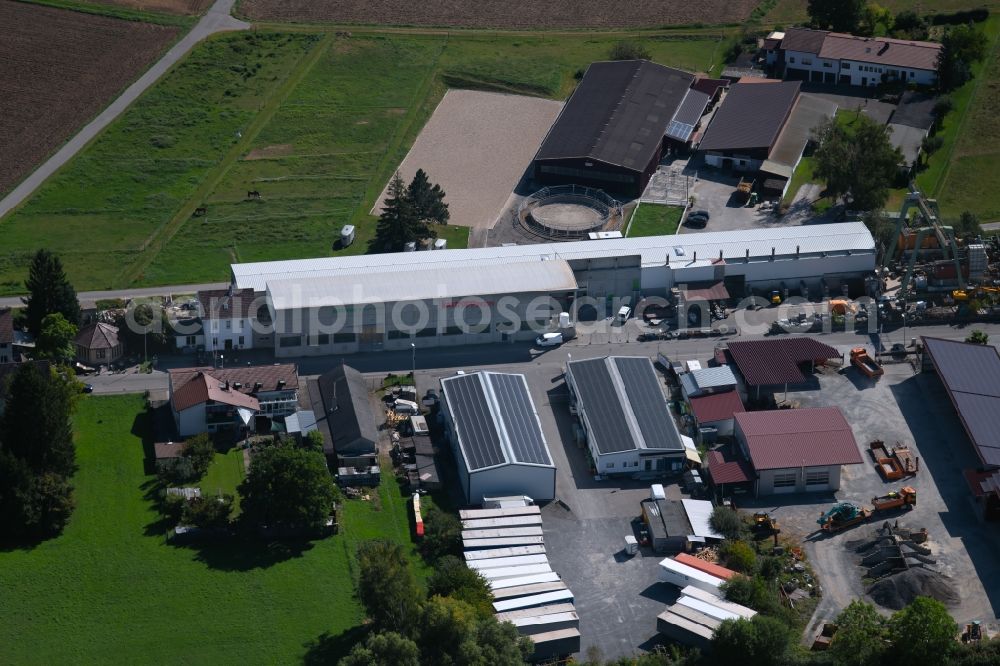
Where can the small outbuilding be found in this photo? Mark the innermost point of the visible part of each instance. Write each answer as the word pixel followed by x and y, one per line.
pixel 98 344
pixel 496 436
pixel 344 416
pixel 796 450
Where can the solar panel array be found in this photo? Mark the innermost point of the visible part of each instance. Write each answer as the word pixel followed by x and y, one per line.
pixel 646 399
pixel 476 429
pixel 519 420
pixel 605 414
pixel 680 131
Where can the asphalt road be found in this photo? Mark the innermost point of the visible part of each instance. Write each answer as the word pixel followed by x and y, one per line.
pixel 477 356
pixel 217 19
pixel 89 298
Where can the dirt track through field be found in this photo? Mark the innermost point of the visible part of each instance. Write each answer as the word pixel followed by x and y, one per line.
pixel 477 145
pixel 502 14
pixel 60 68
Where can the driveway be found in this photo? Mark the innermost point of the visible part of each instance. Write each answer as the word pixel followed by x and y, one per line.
pixel 217 19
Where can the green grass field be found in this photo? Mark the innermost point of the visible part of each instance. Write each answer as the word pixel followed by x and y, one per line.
pixel 314 122
pixel 111 590
pixel 654 220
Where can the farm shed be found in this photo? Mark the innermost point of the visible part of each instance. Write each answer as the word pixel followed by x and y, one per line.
pixel 971 377
pixel 748 123
pixel 497 439
pixel 610 133
pixel 625 415
pixel 340 400
pixel 705 381
pixel 796 450
pixel 669 529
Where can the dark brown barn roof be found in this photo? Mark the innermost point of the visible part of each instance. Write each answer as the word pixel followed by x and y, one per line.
pixel 751 116
pixel 716 406
pixel 971 376
pixel 804 40
pixel 97 336
pixel 220 304
pixel 725 467
pixel 618 114
pixel 783 438
pixel 776 361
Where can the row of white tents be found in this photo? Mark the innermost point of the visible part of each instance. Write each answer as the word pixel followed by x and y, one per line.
pixel 505 545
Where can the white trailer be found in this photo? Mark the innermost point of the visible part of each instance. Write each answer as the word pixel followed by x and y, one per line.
pixel 510 616
pixel 515 572
pixel 504 542
pixel 470 514
pixel 506 583
pixel 543 599
pixel 681 575
pixel 539 624
pixel 527 590
pixel 513 551
pixel 506 562
pixel 495 523
pixel 502 532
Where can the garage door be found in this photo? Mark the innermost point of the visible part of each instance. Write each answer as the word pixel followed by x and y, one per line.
pixel 785 482
pixel 816 481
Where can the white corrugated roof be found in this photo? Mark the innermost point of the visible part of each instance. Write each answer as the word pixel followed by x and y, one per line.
pixel 708 378
pixel 811 239
pixel 420 283
pixel 699 513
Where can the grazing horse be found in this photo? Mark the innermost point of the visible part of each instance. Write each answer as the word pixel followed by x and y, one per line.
pixel 253 194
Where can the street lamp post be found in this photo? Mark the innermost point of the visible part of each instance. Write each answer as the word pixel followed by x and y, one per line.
pixel 413 353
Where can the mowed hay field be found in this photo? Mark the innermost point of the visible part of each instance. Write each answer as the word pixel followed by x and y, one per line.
pixel 59 69
pixel 791 11
pixel 502 14
pixel 110 589
pixel 316 123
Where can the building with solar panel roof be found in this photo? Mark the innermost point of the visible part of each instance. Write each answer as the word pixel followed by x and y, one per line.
pixel 624 413
pixel 496 436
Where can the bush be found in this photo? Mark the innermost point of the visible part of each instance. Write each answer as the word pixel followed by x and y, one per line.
pixel 628 51
pixel 727 522
pixel 931 144
pixel 452 578
pixel 313 441
pixel 755 593
pixel 208 512
pixel 442 534
pixel 943 106
pixel 200 451
pixel 172 507
pixel 739 556
pixel 175 470
pixel 770 568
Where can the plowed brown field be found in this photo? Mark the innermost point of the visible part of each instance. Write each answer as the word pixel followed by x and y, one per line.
pixel 502 14
pixel 168 6
pixel 59 69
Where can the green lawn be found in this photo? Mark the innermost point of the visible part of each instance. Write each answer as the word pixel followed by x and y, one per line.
pixel 654 220
pixel 316 123
pixel 224 475
pixel 803 174
pixel 111 590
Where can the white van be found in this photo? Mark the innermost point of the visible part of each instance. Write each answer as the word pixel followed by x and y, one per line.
pixel 405 407
pixel 549 340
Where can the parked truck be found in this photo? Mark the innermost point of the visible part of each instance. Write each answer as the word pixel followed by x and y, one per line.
pixel 847 514
pixel 903 498
pixel 865 363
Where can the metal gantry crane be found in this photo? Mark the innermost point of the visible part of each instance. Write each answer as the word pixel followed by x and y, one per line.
pixel 927 221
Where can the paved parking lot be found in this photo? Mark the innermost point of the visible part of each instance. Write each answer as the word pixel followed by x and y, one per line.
pixel 909 407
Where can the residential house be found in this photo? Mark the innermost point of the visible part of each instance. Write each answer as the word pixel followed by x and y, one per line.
pixel 820 56
pixel 227 320
pixel 240 399
pixel 98 344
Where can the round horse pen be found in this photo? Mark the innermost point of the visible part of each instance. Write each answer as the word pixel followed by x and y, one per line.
pixel 570 211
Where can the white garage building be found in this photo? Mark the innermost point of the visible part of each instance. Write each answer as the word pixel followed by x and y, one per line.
pixel 497 437
pixel 625 415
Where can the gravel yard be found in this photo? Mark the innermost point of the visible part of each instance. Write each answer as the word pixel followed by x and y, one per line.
pixel 477 146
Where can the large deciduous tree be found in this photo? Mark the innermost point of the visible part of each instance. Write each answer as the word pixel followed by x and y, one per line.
pixel 860 636
pixel 386 587
pixel 287 487
pixel 922 629
pixel 55 340
pixel 961 46
pixel 761 641
pixel 838 15
pixel 49 292
pixel 857 162
pixel 381 649
pixel 427 200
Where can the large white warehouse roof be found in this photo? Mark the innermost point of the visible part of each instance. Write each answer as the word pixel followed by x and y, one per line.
pixel 839 238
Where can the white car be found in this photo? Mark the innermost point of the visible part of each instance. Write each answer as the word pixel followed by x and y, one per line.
pixel 549 340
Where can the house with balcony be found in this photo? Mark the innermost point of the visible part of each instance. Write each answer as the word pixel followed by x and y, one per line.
pixel 241 400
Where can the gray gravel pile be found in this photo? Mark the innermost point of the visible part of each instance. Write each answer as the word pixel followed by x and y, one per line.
pixel 897 591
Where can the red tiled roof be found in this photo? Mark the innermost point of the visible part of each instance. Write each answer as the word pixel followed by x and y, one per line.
pixel 776 360
pixel 707 567
pixel 783 438
pixel 205 384
pixel 716 406
pixel 709 86
pixel 6 326
pixel 726 468
pixel 97 336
